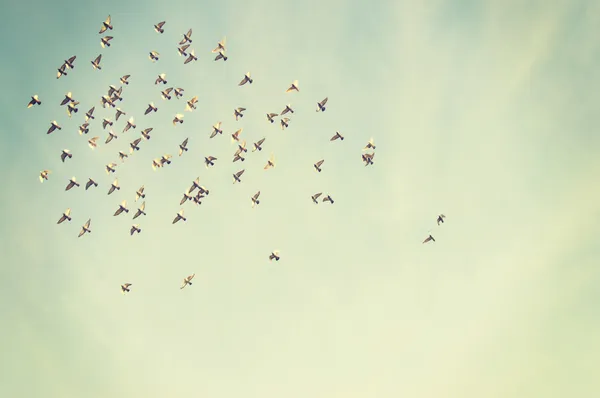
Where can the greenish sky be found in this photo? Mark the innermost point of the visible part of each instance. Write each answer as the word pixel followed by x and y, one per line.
pixel 484 111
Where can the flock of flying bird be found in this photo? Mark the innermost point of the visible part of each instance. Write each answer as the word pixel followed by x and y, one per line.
pixel 114 95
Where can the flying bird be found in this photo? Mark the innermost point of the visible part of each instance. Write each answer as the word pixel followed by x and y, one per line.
pixel 238 156
pixel 96 62
pixel 429 238
pixel 270 162
pixel 159 27
pixel 191 57
pixel 293 87
pixel 179 92
pixel 165 93
pixel 123 156
pixel 106 25
pixel 220 46
pixel 274 255
pixel 329 199
pixel 135 228
pixel 236 136
pixel 336 136
pixel 191 104
pixel 44 175
pixel 187 38
pixel 72 183
pixel 285 122
pixel 221 55
pixel 120 113
pixel 61 71
pixel 210 161
pixel 288 108
pixel 179 216
pixel 156 164
pixel 122 208
pixel 368 158
pixel 317 165
pixel 53 126
pixel 129 125
pixel 85 228
pixel 237 112
pixel 106 122
pixel 106 100
pixel 186 196
pixel 92 142
pixel 181 50
pixel 216 130
pixel 110 168
pixel 196 184
pixel 65 154
pixel 90 183
pixel 72 108
pixel 321 105
pixel 246 79
pixel 187 280
pixel 90 114
pixel 140 211
pixel 165 159
pixel 70 63
pixel 271 117
pixel 257 145
pixel 255 200
pixel 125 287
pixel 236 176
pixel 65 216
pixel 111 135
pixel 113 186
pixel 34 101
pixel 315 197
pixel 370 145
pixel 162 78
pixel 183 147
pixel 242 146
pixel 440 219
pixel 178 119
pixel 146 133
pixel 123 79
pixel 140 193
pixel 104 42
pixel 133 146
pixel 153 56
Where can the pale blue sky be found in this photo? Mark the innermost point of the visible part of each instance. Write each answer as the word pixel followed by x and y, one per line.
pixel 484 111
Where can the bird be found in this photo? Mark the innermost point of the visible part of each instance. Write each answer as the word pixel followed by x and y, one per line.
pixel 237 112
pixel 288 108
pixel 106 122
pixel 236 136
pixel 191 57
pixel 179 216
pixel 123 79
pixel 238 156
pixel 34 101
pixel 336 136
pixel 186 196
pixel 165 93
pixel 153 56
pixel 44 175
pixel 146 133
pixel 315 197
pixel 187 38
pixel 70 63
pixel 329 199
pixel 255 200
pixel 125 287
pixel 140 211
pixel 220 46
pixel 178 119
pixel 221 55
pixel 321 105
pixel 104 42
pixel 196 184
pixel 236 176
pixel 90 114
pixel 270 162
pixel 271 117
pixel 191 104
pixel 85 228
pixel 182 147
pixel 257 145
pixel 151 108
pixel 90 183
pixel 246 79
pixel 162 78
pixel 216 130
pixel 429 238
pixel 68 98
pixel 61 71
pixel 159 27
pixel 123 156
pixel 140 193
pixel 120 113
pixel 111 135
pixel 242 146
pixel 72 108
pixel 65 216
pixel 368 158
pixel 53 126
pixel 65 154
pixel 209 161
pixel 96 62
pixel 197 198
pixel 370 145
pixel 165 159
pixel 133 146
pixel 135 228
pixel 274 255
pixel 106 100
pixel 285 122
pixel 92 142
pixel 317 165
pixel 187 280
pixel 72 183
pixel 181 50
pixel 122 208
pixel 156 164
pixel 293 87
pixel 110 168
pixel 440 219
pixel 106 25
pixel 113 186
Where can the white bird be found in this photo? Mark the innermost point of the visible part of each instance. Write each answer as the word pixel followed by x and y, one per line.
pixel 236 176
pixel 96 62
pixel 106 122
pixel 133 146
pixel 270 163
pixel 440 219
pixel 162 78
pixel 119 113
pixel 85 228
pixel 237 112
pixel 92 142
pixel 187 280
pixel 111 135
pixel 72 183
pixel 222 56
pixel 336 136
pixel 183 147
pixel 53 126
pixel 140 211
pixel 44 175
pixel 125 287
pixel 135 228
pixel 271 116
pixel 179 216
pixel 288 108
pixel 69 63
pixel 179 92
pixel 216 130
pixel 274 255
pixel 191 104
pixel 317 165
pixel 140 193
pixel 156 164
pixel 257 145
pixel 187 38
pixel 328 199
pixel 178 119
pixel 122 208
pixel 90 183
pixel 321 105
pixel 104 42
pixel 129 125
pixel 246 79
pixel 220 46
pixel 159 27
pixel 209 161
pixel 370 145
pixel 68 98
pixel 285 122
pixel 113 186
pixel 255 200
pixel 315 197
pixel 90 114
pixel 110 168
pixel 65 154
pixel 293 87
pixel 106 25
pixel 153 56
pixel 84 128
pixel 72 108
pixel 181 50
pixel 123 79
pixel 236 136
pixel 65 216
pixel 165 93
pixel 191 57
pixel 368 158
pixel 146 133
pixel 34 101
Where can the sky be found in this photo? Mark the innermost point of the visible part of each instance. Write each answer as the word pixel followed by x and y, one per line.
pixel 485 111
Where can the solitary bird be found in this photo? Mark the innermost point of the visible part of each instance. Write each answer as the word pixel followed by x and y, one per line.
pixel 53 126
pixel 135 228
pixel 187 281
pixel 274 255
pixel 220 46
pixel 104 42
pixel 321 105
pixel 159 27
pixel 429 238
pixel 178 119
pixel 187 38
pixel 44 175
pixel 440 219
pixel 315 197
pixel 96 62
pixel 122 208
pixel 151 108
pixel 85 228
pixel 285 122
pixel 236 176
pixel 246 79
pixel 336 136
pixel 255 200
pixel 140 193
pixel 237 112
pixel 123 79
pixel 288 108
pixel 191 57
pixel 368 158
pixel 65 154
pixel 271 117
pixel 270 162
pixel 140 211
pixel 106 25
pixel 179 216
pixel 72 183
pixel 162 78
pixel 34 101
pixel 183 147
pixel 125 287
pixel 90 183
pixel 317 165
pixel 113 186
pixel 257 145
pixel 153 56
pixel 216 129
pixel 65 216
pixel 329 199
pixel 209 161
pixel 293 87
